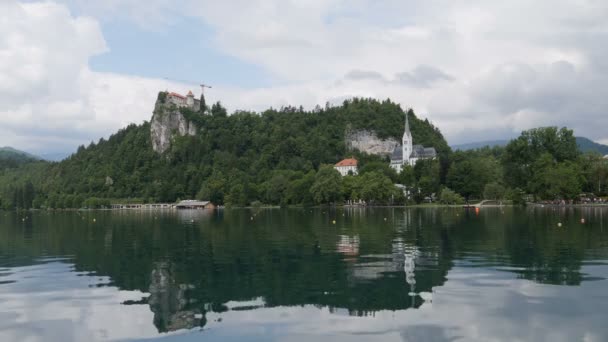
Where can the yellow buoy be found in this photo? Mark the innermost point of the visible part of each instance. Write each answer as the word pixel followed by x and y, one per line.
pixel 559 224
pixel 334 221
pixel 94 220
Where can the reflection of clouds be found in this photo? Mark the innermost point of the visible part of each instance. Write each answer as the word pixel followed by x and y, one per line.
pixel 474 305
pixel 49 302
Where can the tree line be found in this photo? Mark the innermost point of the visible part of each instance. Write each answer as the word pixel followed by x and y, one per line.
pixel 285 157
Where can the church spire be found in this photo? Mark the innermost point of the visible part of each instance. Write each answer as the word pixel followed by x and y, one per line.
pixel 407 122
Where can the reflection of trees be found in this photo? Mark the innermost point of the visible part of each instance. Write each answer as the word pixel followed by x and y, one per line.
pixel 296 257
pixel 529 243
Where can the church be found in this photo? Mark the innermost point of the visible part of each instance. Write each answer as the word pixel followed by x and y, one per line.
pixel 408 154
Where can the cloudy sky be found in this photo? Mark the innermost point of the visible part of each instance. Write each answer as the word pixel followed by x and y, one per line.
pixel 72 71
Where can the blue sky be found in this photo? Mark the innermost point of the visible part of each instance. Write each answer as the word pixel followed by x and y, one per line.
pixel 479 70
pixel 182 50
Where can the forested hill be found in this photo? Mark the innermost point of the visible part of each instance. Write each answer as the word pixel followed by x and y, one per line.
pixel 12 158
pixel 243 157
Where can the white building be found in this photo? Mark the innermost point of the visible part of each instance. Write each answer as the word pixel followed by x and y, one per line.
pixel 407 153
pixel 183 101
pixel 347 165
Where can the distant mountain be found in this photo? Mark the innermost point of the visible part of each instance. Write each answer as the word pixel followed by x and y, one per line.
pixel 8 152
pixel 480 144
pixel 11 158
pixel 587 145
pixel 584 145
pixel 56 156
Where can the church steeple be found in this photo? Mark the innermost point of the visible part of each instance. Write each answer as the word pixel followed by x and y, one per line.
pixel 406 142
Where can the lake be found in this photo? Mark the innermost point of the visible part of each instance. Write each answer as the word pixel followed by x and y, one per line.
pixel 382 274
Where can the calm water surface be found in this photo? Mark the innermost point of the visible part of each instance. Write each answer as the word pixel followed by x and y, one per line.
pixel 294 275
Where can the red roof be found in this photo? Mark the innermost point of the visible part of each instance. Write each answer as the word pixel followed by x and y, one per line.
pixel 177 95
pixel 347 162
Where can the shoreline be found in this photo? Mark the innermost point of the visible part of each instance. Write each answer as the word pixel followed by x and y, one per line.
pixel 417 206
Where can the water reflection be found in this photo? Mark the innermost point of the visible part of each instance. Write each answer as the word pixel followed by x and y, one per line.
pixel 169 301
pixel 389 274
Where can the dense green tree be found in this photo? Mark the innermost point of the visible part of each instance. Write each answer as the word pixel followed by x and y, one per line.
pixel 470 172
pixel 327 187
pixel 448 196
pixel 595 171
pixel 494 191
pixel 521 154
pixel 380 167
pixel 428 176
pixel 564 181
pixel 377 188
pixel 214 188
pixel 299 190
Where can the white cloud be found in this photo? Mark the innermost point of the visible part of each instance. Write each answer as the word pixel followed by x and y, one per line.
pixel 476 69
pixel 44 54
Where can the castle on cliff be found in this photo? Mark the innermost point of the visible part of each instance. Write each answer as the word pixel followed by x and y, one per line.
pixel 184 101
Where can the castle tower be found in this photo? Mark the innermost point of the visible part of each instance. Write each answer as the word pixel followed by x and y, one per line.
pixel 190 99
pixel 407 142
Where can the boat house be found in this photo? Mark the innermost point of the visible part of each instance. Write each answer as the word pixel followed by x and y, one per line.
pixel 192 204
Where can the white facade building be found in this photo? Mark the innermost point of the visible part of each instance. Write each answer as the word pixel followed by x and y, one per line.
pixel 183 101
pixel 347 166
pixel 407 153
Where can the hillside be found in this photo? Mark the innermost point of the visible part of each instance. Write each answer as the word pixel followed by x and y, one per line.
pixel 243 157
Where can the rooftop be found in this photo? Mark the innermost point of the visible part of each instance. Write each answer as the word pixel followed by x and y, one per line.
pixel 347 162
pixel 192 203
pixel 177 95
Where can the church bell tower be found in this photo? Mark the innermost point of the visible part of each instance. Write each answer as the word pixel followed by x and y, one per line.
pixel 407 141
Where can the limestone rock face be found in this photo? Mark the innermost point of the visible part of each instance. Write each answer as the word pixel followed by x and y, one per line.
pixel 368 142
pixel 166 123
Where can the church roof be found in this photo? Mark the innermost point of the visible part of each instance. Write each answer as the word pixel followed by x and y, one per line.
pixel 419 151
pixel 397 153
pixel 347 162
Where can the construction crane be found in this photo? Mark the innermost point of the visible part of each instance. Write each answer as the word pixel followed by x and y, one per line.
pixel 202 85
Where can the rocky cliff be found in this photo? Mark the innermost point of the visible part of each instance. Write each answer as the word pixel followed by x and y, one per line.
pixel 368 142
pixel 167 122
